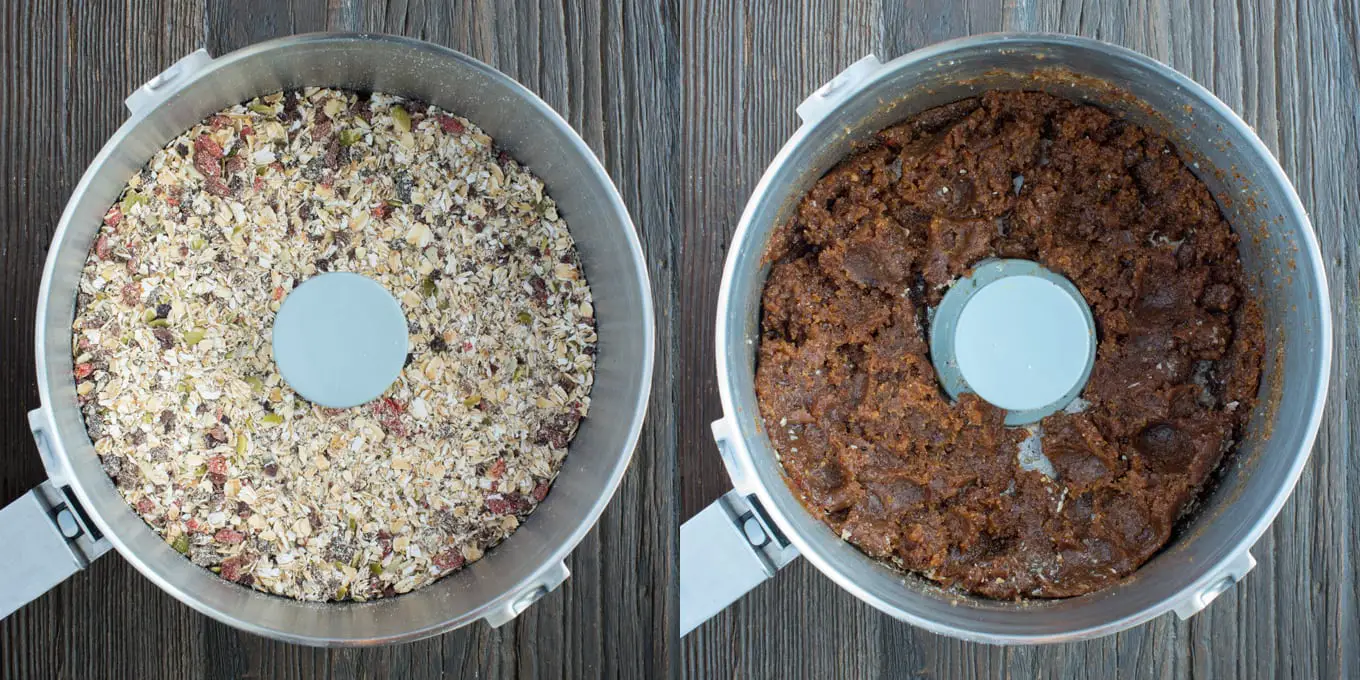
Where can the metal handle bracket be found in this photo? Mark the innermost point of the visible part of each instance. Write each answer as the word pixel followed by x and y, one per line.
pixel 726 550
pixel 547 582
pixel 53 543
pixel 830 95
pixel 1234 571
pixel 167 82
pixel 54 537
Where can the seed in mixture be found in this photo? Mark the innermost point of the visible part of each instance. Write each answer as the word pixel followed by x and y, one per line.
pixel 851 399
pixel 195 425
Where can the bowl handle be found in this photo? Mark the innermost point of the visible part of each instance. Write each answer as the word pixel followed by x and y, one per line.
pixel 1232 571
pixel 726 550
pixel 43 541
pixel 167 82
pixel 830 95
pixel 546 582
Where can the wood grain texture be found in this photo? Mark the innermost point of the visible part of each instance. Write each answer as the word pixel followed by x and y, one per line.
pixel 1290 69
pixel 69 64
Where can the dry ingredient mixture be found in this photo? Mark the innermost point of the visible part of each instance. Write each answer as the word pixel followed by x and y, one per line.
pixel 852 403
pixel 188 412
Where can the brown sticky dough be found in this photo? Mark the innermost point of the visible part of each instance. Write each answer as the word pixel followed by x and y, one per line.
pixel 851 400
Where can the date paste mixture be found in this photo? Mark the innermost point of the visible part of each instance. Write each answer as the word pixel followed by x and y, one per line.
pixel 852 403
pixel 190 416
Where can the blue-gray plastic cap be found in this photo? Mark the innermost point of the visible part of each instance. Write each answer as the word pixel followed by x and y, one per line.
pixel 340 339
pixel 1016 334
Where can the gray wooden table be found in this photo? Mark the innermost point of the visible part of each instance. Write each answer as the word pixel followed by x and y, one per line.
pixel 67 68
pixel 1290 68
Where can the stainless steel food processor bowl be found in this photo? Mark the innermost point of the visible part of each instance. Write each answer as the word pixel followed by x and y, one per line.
pixel 755 529
pixel 79 514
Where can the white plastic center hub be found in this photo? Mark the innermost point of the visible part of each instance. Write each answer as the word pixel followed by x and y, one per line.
pixel 1017 335
pixel 340 339
pixel 1021 343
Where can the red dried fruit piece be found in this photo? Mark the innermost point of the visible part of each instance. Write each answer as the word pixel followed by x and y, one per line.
pixel 219 121
pixel 247 131
pixel 192 524
pixel 83 370
pixel 207 156
pixel 449 560
pixel 497 469
pixel 541 491
pixel 217 187
pixel 208 146
pixel 228 536
pixel 278 293
pixel 232 568
pixel 102 249
pixel 258 184
pixel 506 504
pixel 132 293
pixel 113 216
pixel 451 124
pixel 145 506
pixel 382 211
pixel 236 163
pixel 388 411
pixel 217 465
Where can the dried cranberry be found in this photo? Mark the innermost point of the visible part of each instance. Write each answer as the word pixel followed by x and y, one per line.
pixel 449 560
pixel 217 464
pixel 83 370
pixel 228 536
pixel 113 216
pixel 541 491
pixel 232 568
pixel 145 506
pixel 207 156
pixel 451 125
pixel 102 249
pixel 132 293
pixel 217 187
pixel 508 503
pixel 497 469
